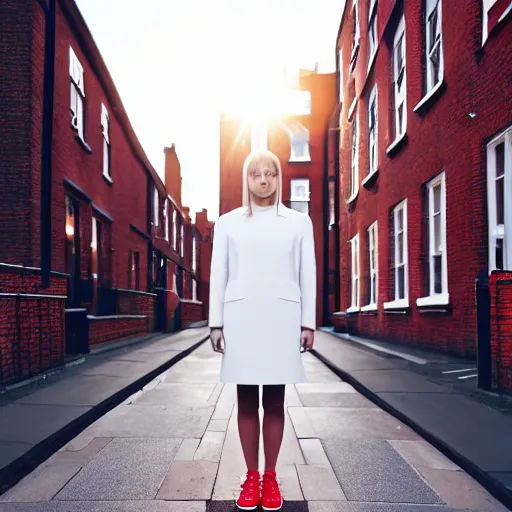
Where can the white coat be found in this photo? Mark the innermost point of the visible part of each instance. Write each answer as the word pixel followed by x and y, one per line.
pixel 262 290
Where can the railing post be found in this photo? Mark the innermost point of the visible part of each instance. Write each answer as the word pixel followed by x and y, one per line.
pixel 483 313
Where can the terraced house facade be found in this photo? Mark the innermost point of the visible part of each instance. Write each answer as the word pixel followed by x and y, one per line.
pixel 94 246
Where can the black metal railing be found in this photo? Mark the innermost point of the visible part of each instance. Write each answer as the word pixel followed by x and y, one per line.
pixel 31 335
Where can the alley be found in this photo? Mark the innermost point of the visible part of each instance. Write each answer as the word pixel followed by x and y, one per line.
pixel 174 447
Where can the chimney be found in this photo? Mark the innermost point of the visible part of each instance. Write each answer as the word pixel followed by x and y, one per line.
pixel 173 174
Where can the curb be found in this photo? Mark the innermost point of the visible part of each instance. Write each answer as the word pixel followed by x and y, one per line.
pixel 493 486
pixel 11 474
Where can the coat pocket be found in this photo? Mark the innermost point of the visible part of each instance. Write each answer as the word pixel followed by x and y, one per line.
pixel 289 290
pixel 234 291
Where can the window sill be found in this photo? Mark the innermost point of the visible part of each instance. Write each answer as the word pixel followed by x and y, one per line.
pixel 107 178
pixel 370 308
pixel 395 147
pixel 400 306
pixel 370 180
pixel 426 102
pixel 353 197
pixel 352 310
pixel 352 109
pixel 83 144
pixel 304 159
pixel 441 299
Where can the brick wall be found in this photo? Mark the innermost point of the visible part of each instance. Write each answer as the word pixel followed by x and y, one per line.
pixel 191 312
pixel 500 288
pixel 136 303
pixel 32 335
pixel 105 329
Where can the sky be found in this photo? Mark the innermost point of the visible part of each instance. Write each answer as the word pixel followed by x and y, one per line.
pixel 177 63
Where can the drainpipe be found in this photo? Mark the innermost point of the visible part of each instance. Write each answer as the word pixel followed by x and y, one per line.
pixel 47 142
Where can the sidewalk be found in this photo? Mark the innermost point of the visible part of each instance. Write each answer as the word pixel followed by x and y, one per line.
pixel 426 395
pixel 38 419
pixel 174 447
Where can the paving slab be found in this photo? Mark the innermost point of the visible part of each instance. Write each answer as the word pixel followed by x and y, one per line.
pixel 319 482
pixel 331 422
pixel 346 506
pixel 106 506
pixel 187 449
pixel 301 423
pixel 177 393
pixel 126 468
pixel 371 470
pixel 218 425
pixel 189 480
pixel 343 400
pixel 422 454
pixel 313 452
pixel 210 448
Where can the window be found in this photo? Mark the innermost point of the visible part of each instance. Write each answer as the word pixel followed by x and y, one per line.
pixel 174 230
pixel 299 143
pixel 332 202
pixel 354 268
pixel 340 76
pixel 434 45
pixel 299 195
pixel 435 207
pixel 156 207
pixel 194 254
pixel 400 257
pixel 166 219
pixel 372 267
pixel 499 194
pixel 259 136
pixel 182 236
pixel 133 270
pixel 105 131
pixel 194 290
pixel 399 82
pixel 373 36
pixel 354 165
pixel 356 34
pixel 77 94
pixel 373 145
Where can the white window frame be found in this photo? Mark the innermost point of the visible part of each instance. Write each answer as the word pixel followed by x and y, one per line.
pixel 432 5
pixel 299 134
pixel 259 134
pixel 166 219
pixel 373 137
pixel 403 302
pixel 356 36
pixel 194 290
pixel 354 160
pixel 433 298
pixel 105 132
pixel 194 254
pixel 156 212
pixel 400 97
pixel 182 236
pixel 340 74
pixel 174 229
pixel 500 231
pixel 373 247
pixel 486 7
pixel 77 94
pixel 355 275
pixel 301 200
pixel 174 282
pixel 373 35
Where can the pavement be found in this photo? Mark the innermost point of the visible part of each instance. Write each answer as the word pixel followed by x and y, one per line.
pixel 40 416
pixel 173 446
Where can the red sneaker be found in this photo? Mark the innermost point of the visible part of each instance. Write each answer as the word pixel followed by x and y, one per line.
pixel 271 498
pixel 251 493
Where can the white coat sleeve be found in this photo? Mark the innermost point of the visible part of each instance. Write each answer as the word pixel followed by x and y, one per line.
pixel 307 276
pixel 218 275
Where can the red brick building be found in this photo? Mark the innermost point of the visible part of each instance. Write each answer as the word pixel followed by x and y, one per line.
pixel 425 165
pixel 91 240
pixel 299 140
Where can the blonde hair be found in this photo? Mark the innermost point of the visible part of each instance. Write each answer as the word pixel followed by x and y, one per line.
pixel 255 158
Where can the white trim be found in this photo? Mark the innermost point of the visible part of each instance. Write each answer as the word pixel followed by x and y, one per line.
pixel 166 219
pixel 369 307
pixel 395 143
pixel 182 239
pixel 356 36
pixel 397 304
pixel 354 158
pixel 352 197
pixel 299 183
pixel 401 209
pixel 352 109
pixel 32 296
pixel 372 30
pixel 499 231
pixel 105 132
pixel 194 290
pixel 355 272
pixel 400 97
pixel 373 240
pixel 174 230
pixel 353 309
pixel 340 75
pixel 373 101
pixel 299 138
pixel 429 78
pixel 505 13
pixel 116 317
pixel 486 7
pixel 189 301
pixel 441 299
pixel 427 96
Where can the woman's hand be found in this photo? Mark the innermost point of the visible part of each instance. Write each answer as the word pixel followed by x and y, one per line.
pixel 307 338
pixel 217 339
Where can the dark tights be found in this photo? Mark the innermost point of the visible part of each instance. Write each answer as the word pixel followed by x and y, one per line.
pixel 249 423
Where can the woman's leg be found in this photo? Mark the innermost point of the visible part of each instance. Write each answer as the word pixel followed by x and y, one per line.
pixel 249 423
pixel 273 423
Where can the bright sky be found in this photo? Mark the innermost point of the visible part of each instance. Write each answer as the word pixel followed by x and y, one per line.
pixel 177 62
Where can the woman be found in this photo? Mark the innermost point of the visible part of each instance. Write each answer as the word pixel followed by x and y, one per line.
pixel 262 310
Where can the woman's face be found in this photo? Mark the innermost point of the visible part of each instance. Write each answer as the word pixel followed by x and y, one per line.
pixel 262 178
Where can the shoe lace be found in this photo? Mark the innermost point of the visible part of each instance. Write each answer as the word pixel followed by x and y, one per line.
pixel 270 484
pixel 250 484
